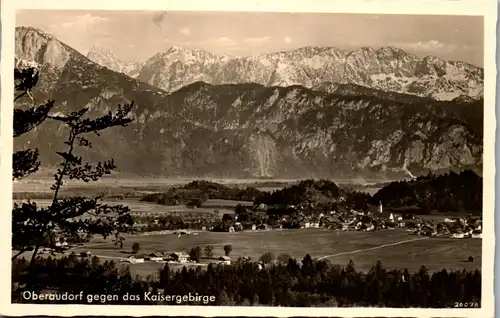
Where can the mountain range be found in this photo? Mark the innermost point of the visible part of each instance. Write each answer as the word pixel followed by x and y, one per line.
pixel 106 58
pixel 322 129
pixel 388 69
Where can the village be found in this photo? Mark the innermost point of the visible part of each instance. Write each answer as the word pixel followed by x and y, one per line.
pixel 349 220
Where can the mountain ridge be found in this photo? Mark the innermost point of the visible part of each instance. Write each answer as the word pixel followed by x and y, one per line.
pixel 251 130
pixel 386 68
pixel 106 57
pixel 309 66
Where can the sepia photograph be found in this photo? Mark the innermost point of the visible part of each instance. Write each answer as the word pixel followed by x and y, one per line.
pixel 250 158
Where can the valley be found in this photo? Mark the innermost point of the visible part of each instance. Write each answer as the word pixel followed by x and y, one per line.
pixel 312 176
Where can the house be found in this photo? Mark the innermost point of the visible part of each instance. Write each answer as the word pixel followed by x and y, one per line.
pixel 182 232
pixel 391 217
pixel 314 225
pixel 254 227
pixel 262 207
pixel 477 235
pixel 238 226
pixel 133 260
pixel 230 229
pixel 426 230
pixel 180 257
pixel 457 235
pixel 226 260
pixel 61 244
pixel 156 256
pixel 263 227
pixel 85 254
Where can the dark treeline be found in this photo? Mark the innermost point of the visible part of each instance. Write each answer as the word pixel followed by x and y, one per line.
pixel 304 191
pixel 197 192
pixel 451 192
pixel 289 283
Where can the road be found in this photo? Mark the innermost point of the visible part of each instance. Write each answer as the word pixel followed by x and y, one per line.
pixel 374 248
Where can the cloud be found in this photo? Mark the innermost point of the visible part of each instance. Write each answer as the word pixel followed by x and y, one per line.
pixel 432 45
pixel 185 31
pixel 225 41
pixel 257 40
pixel 287 39
pixel 83 21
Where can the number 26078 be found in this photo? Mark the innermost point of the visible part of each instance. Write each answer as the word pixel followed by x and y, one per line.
pixel 466 305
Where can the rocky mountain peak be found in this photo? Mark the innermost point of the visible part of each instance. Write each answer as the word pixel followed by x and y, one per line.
pixel 218 126
pixel 99 51
pixel 386 68
pixel 107 58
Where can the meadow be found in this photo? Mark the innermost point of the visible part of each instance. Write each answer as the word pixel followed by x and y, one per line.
pixel 148 208
pixel 394 248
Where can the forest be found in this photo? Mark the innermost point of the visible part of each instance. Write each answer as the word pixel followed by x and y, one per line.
pixel 450 192
pixel 306 283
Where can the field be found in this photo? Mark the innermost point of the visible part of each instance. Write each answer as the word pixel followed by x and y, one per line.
pixel 394 248
pixel 147 208
pixel 40 183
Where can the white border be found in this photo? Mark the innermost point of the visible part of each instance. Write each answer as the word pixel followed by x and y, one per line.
pixel 486 8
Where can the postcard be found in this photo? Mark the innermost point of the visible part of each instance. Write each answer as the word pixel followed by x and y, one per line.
pixel 246 158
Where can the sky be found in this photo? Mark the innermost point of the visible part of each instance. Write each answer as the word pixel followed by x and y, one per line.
pixel 135 36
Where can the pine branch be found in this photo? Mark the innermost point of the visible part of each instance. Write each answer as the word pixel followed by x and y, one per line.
pixel 34 226
pixel 24 163
pixel 107 121
pixel 26 120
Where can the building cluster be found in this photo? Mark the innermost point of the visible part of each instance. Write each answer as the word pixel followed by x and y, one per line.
pixel 165 257
pixel 353 220
pixel 451 228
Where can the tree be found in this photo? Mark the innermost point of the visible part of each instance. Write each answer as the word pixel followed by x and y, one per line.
pixel 89 237
pixel 228 249
pixel 209 251
pixel 267 258
pixel 240 209
pixel 136 247
pixel 31 224
pixel 283 259
pixel 307 265
pixel 195 203
pixel 195 254
pixel 95 262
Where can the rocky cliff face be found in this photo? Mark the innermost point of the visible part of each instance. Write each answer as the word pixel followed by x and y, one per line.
pixel 245 130
pixel 106 58
pixel 388 69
